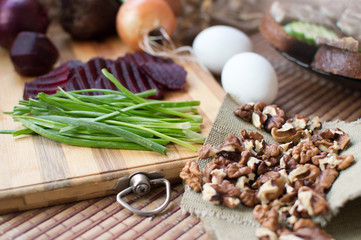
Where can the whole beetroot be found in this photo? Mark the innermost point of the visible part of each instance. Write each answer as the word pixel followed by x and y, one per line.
pixel 89 19
pixel 18 16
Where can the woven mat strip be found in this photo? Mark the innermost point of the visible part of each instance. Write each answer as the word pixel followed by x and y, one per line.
pixel 300 91
pixel 103 218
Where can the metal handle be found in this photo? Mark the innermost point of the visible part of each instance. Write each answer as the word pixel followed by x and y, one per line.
pixel 140 184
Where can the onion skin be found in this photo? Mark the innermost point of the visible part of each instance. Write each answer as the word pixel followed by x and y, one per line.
pixel 20 15
pixel 176 6
pixel 136 18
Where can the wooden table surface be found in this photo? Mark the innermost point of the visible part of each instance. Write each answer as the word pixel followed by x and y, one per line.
pixel 300 91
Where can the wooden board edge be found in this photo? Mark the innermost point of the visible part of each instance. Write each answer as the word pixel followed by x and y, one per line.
pixel 73 190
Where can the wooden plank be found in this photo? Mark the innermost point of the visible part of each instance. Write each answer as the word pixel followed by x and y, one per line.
pixel 39 172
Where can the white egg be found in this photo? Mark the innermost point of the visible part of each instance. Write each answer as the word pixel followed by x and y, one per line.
pixel 215 45
pixel 249 77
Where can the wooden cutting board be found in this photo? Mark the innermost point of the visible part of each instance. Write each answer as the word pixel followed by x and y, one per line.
pixel 37 172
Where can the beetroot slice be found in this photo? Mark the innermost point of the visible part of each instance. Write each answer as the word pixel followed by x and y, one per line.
pixel 103 83
pixel 49 82
pixel 127 76
pixel 93 69
pixel 137 75
pixel 61 71
pixel 76 79
pixel 146 81
pixel 137 72
pixel 169 75
pixel 84 76
pixel 115 69
pixel 164 71
pixel 34 92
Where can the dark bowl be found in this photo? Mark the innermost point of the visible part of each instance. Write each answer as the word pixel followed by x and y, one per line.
pixel 351 83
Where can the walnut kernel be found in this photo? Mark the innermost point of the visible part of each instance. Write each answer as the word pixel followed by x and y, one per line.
pixel 192 176
pixel 265 233
pixel 271 190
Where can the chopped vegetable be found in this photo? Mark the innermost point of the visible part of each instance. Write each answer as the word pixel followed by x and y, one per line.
pixel 308 32
pixel 33 54
pixel 114 120
pixel 138 72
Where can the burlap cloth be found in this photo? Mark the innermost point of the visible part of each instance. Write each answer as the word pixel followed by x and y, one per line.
pixel 224 223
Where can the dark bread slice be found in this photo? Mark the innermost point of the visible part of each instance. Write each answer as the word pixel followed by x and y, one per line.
pixel 277 37
pixel 337 61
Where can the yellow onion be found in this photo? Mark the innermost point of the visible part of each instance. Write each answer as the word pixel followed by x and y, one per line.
pixel 136 18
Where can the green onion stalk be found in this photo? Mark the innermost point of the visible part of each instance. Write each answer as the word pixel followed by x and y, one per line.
pixel 114 119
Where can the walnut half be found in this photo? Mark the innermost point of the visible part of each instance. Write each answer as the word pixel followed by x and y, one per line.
pixel 313 203
pixel 271 190
pixel 225 193
pixel 285 136
pixel 192 176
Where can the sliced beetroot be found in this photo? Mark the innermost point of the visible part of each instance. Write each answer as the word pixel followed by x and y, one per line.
pixel 138 78
pixel 60 74
pixel 128 76
pixel 49 82
pixel 86 75
pixel 153 85
pixel 116 70
pixel 103 83
pixel 77 79
pixel 33 54
pixel 137 72
pixel 169 75
pixel 137 75
pixel 164 71
pixel 56 75
pixel 33 92
pixel 136 60
pixel 93 69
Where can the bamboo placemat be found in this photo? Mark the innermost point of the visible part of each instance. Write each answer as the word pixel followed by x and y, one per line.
pixel 300 91
pixel 103 218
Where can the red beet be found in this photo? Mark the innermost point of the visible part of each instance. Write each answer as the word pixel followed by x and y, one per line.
pixel 88 19
pixel 169 75
pixel 18 16
pixel 137 59
pixel 33 54
pixel 163 71
pixel 49 83
pixel 135 71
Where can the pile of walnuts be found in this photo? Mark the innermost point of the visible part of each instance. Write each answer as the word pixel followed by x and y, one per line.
pixel 285 183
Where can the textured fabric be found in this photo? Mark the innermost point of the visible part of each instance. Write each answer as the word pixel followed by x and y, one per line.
pixel 224 223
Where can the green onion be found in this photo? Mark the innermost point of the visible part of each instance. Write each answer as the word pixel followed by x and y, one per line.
pixel 115 119
pixel 7 131
pixel 108 129
pixel 137 99
pixel 161 135
pixel 81 142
